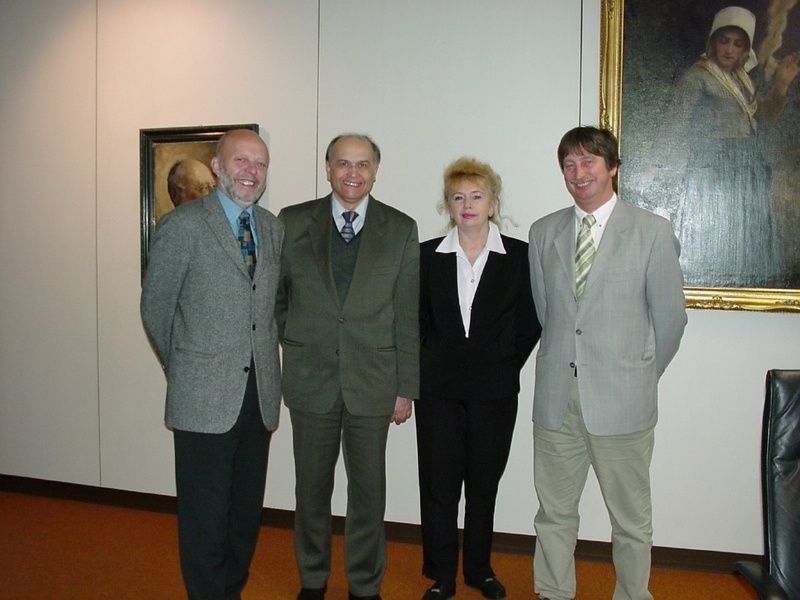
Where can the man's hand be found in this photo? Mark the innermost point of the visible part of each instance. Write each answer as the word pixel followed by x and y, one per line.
pixel 402 410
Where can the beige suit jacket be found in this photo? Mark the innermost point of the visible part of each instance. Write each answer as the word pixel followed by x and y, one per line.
pixel 624 331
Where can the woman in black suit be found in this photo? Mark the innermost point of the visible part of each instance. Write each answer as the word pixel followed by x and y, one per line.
pixel 478 326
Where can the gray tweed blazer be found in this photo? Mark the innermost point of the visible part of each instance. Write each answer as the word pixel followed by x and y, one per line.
pixel 205 317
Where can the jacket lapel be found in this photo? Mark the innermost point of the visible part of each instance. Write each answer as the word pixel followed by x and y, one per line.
pixel 371 244
pixel 444 279
pixel 491 281
pixel 320 232
pixel 564 242
pixel 221 228
pixel 266 241
pixel 609 245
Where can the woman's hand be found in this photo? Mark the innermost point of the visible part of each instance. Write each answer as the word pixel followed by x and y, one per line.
pixel 786 71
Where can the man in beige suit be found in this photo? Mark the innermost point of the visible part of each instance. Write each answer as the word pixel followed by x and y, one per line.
pixel 348 306
pixel 609 294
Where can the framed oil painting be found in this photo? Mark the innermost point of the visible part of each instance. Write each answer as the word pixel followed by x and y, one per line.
pixel 175 167
pixel 705 100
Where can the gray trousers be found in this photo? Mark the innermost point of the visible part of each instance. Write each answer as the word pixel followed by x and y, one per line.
pixel 317 439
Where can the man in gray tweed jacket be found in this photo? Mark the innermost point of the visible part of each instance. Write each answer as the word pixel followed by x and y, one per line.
pixel 208 302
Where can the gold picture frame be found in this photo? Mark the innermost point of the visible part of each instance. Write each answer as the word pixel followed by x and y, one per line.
pixel 612 62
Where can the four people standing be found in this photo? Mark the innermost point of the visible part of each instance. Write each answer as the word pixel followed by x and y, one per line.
pixel 608 290
pixel 348 315
pixel 358 307
pixel 478 326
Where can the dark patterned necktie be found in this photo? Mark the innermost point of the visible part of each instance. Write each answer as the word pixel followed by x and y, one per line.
pixel 247 243
pixel 348 233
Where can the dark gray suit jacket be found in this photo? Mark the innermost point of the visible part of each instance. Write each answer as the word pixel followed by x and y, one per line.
pixel 621 335
pixel 205 317
pixel 368 348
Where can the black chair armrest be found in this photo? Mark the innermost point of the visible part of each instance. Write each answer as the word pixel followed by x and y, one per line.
pixel 765 586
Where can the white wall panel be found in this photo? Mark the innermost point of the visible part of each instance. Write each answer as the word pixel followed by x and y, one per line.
pixel 48 305
pixel 432 81
pixel 186 63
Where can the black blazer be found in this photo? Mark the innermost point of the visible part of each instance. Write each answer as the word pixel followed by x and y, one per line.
pixel 503 329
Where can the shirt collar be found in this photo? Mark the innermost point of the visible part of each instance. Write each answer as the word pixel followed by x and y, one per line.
pixel 233 210
pixel 494 243
pixel 601 214
pixel 337 209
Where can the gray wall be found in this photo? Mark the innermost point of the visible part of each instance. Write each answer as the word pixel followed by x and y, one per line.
pixel 81 394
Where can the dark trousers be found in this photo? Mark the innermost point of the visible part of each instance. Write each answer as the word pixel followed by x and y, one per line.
pixel 460 442
pixel 220 483
pixel 317 439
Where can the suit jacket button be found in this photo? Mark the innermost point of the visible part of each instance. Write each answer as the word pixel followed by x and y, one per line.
pixel 341 319
pixel 572 365
pixel 254 326
pixel 247 369
pixel 254 287
pixel 578 331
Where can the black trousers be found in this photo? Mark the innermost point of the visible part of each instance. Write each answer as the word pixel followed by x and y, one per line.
pixel 461 441
pixel 220 483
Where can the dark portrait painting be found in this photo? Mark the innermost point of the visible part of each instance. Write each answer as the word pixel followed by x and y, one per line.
pixel 175 167
pixel 709 128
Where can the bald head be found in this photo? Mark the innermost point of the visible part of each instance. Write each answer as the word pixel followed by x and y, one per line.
pixel 241 166
pixel 189 179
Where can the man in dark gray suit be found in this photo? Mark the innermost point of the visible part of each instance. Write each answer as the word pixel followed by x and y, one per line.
pixel 612 315
pixel 348 309
pixel 208 302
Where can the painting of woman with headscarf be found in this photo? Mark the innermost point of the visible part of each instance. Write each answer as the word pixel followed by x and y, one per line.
pixel 709 105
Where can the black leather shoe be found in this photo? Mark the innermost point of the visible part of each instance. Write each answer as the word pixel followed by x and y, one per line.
pixel 489 588
pixel 440 591
pixel 352 596
pixel 312 594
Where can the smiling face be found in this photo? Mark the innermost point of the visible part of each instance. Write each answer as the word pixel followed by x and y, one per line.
pixel 241 166
pixel 588 178
pixel 351 170
pixel 470 204
pixel 727 47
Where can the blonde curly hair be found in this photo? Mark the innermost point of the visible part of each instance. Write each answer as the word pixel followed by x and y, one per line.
pixel 470 168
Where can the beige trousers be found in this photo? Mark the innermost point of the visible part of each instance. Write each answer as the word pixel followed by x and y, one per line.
pixel 622 466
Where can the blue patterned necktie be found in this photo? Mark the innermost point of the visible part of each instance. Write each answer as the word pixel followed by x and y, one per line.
pixel 247 243
pixel 584 253
pixel 348 233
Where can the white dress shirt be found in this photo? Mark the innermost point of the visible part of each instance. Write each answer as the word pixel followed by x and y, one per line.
pixel 469 275
pixel 337 209
pixel 601 214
